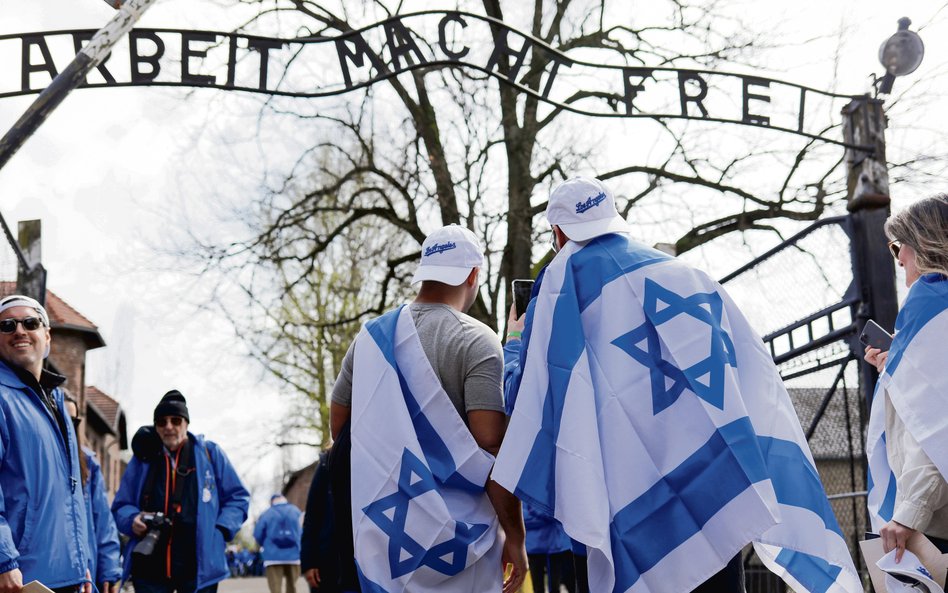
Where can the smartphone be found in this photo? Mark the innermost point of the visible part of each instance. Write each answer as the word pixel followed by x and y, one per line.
pixel 521 292
pixel 873 335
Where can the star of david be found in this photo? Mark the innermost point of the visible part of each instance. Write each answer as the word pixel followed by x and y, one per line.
pixel 706 377
pixel 390 513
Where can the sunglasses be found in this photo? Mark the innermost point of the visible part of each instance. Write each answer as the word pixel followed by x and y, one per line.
pixel 894 247
pixel 173 420
pixel 76 421
pixel 8 326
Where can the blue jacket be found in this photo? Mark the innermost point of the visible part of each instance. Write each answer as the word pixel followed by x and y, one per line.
pixel 222 508
pixel 268 533
pixel 545 535
pixel 515 351
pixel 104 550
pixel 42 513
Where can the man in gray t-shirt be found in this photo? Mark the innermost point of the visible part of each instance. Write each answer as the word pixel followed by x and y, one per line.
pixel 467 358
pixel 464 353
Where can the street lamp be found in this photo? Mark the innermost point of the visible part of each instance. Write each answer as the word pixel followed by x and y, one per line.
pixel 900 54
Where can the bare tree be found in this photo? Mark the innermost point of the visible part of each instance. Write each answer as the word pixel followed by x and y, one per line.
pixel 332 240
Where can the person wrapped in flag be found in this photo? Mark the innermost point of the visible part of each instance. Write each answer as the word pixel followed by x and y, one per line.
pixel 907 442
pixel 649 419
pixel 421 390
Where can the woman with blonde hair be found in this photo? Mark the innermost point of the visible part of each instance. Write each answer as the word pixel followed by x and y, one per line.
pixel 908 427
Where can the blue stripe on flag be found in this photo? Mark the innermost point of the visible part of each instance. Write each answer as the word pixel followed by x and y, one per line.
pixel 795 481
pixel 816 574
pixel 367 585
pixel 680 504
pixel 538 485
pixel 437 454
pixel 926 299
pixel 604 259
pixel 887 509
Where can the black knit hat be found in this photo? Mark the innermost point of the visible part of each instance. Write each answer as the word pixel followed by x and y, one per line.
pixel 172 404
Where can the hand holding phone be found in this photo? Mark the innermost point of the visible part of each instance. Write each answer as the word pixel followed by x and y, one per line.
pixel 875 337
pixel 521 290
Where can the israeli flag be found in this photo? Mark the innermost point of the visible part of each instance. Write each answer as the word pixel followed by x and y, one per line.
pixel 652 423
pixel 916 384
pixel 421 519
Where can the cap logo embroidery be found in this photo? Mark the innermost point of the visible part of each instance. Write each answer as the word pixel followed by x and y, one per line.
pixel 439 248
pixel 590 203
pixel 925 572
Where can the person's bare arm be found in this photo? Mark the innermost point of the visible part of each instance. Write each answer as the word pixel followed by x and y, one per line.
pixel 488 429
pixel 338 416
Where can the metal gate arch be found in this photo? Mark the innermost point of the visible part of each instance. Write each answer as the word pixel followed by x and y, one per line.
pixel 817 349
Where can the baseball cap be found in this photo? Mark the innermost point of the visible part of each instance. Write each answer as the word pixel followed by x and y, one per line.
pixel 584 208
pixel 448 255
pixel 909 575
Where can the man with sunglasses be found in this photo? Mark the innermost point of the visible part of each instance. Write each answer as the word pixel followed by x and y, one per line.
pixel 43 525
pixel 190 481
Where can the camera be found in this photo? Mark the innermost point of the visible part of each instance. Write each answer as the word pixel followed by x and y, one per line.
pixel 157 524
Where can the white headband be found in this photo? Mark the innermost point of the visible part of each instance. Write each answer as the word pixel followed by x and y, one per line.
pixel 18 300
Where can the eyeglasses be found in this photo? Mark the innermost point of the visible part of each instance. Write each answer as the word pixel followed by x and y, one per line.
pixel 894 247
pixel 173 420
pixel 8 326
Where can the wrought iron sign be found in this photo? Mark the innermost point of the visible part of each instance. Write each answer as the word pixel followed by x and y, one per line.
pixel 325 66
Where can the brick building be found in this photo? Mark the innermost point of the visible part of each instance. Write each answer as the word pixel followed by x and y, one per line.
pixel 106 434
pixel 73 336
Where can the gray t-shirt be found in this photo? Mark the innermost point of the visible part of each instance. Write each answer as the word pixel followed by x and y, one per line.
pixel 465 354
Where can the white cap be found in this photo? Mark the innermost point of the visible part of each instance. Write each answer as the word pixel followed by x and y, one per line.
pixel 913 576
pixel 584 208
pixel 448 255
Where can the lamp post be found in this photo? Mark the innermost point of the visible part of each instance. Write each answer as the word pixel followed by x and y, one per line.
pixel 901 54
pixel 864 124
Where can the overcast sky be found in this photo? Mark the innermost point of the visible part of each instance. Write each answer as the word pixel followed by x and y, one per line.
pixel 114 169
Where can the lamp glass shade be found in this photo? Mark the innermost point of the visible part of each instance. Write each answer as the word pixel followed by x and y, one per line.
pixel 902 53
